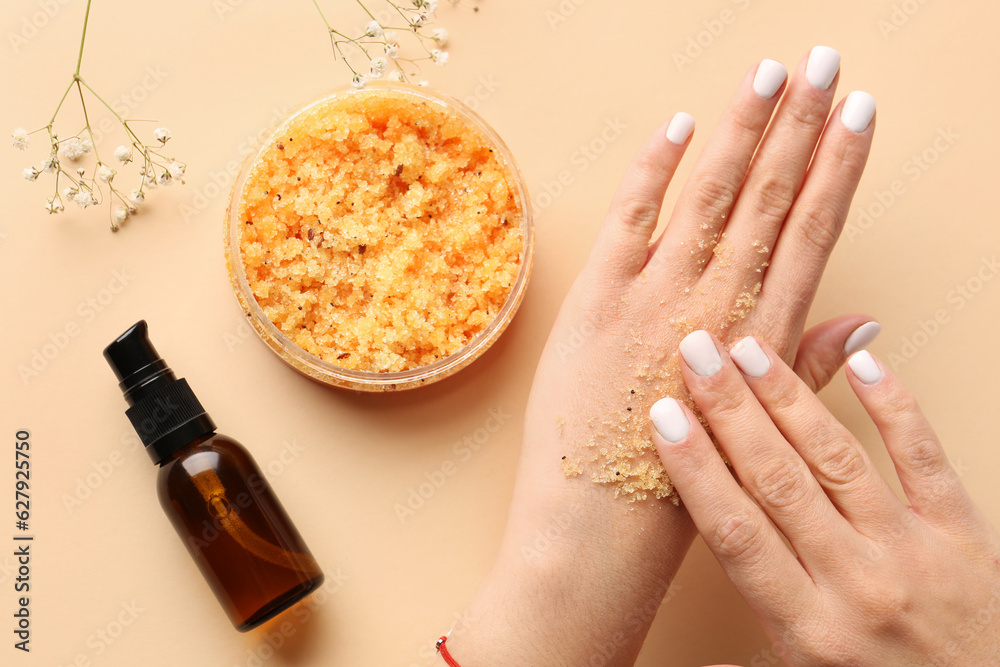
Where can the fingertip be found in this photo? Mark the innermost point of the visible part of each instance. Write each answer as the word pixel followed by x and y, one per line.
pixel 680 128
pixel 862 337
pixel 670 423
pixel 865 368
pixel 858 111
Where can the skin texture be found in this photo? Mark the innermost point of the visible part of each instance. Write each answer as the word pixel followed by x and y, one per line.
pixel 877 580
pixel 580 573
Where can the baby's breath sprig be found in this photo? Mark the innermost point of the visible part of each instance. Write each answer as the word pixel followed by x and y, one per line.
pixel 98 186
pixel 379 43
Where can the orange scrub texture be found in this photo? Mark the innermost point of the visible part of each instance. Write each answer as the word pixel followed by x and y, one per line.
pixel 381 232
pixel 615 447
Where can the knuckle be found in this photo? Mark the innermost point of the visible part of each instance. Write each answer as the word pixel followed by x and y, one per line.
pixel 850 156
pixel 743 123
pixel 774 197
pixel 842 465
pixel 711 197
pixel 723 404
pixel 739 539
pixel 637 212
pixel 782 485
pixel 808 115
pixel 819 228
pixel 784 402
pixel 924 455
pixel 887 607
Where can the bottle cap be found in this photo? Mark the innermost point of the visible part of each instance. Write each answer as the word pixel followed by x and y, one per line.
pixel 163 410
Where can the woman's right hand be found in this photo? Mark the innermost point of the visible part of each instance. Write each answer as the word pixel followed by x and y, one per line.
pixel 873 580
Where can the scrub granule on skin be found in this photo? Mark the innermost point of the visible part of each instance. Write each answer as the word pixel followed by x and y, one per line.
pixel 380 232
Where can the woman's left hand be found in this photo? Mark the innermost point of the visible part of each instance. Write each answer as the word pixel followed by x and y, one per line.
pixel 876 581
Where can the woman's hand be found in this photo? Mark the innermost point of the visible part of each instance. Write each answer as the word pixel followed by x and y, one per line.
pixel 743 252
pixel 876 581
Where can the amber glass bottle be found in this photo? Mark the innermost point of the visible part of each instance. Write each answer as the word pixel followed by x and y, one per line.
pixel 214 494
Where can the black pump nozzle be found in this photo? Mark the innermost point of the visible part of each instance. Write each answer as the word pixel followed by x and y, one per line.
pixel 164 411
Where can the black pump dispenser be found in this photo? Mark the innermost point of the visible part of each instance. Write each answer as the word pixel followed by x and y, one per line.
pixel 164 411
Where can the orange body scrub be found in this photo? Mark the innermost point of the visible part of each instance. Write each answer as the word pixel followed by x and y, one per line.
pixel 380 232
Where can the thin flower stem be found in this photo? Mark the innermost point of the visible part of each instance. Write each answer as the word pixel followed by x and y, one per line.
pixel 83 39
pixel 370 15
pixel 59 106
pixel 100 99
pixel 86 119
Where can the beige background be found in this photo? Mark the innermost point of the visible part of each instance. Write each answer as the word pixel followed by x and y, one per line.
pixel 341 462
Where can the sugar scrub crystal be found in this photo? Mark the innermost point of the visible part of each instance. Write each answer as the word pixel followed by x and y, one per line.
pixel 380 230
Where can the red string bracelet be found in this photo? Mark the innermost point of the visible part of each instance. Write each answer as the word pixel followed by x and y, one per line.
pixel 443 650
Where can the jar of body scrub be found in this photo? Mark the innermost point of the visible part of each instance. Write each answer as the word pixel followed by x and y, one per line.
pixel 380 239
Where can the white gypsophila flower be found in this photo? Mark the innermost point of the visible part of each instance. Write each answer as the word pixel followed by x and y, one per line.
pixel 162 134
pixel 440 35
pixel 374 30
pixel 378 67
pixel 165 178
pixel 73 148
pixel 359 81
pixel 176 170
pixel 439 57
pixel 69 192
pixel 50 165
pixel 20 136
pixel 430 6
pixel 81 172
pixel 396 75
pixel 54 205
pixel 105 173
pixel 424 83
pixel 30 174
pixel 137 197
pixel 416 20
pixel 84 199
pixel 124 154
pixel 392 50
pixel 120 214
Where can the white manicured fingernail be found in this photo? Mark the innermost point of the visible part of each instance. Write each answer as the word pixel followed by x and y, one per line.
pixel 770 75
pixel 822 66
pixel 669 420
pixel 864 366
pixel 750 357
pixel 858 111
pixel 700 353
pixel 680 128
pixel 862 337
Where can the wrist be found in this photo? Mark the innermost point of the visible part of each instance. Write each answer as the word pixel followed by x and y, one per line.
pixel 573 581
